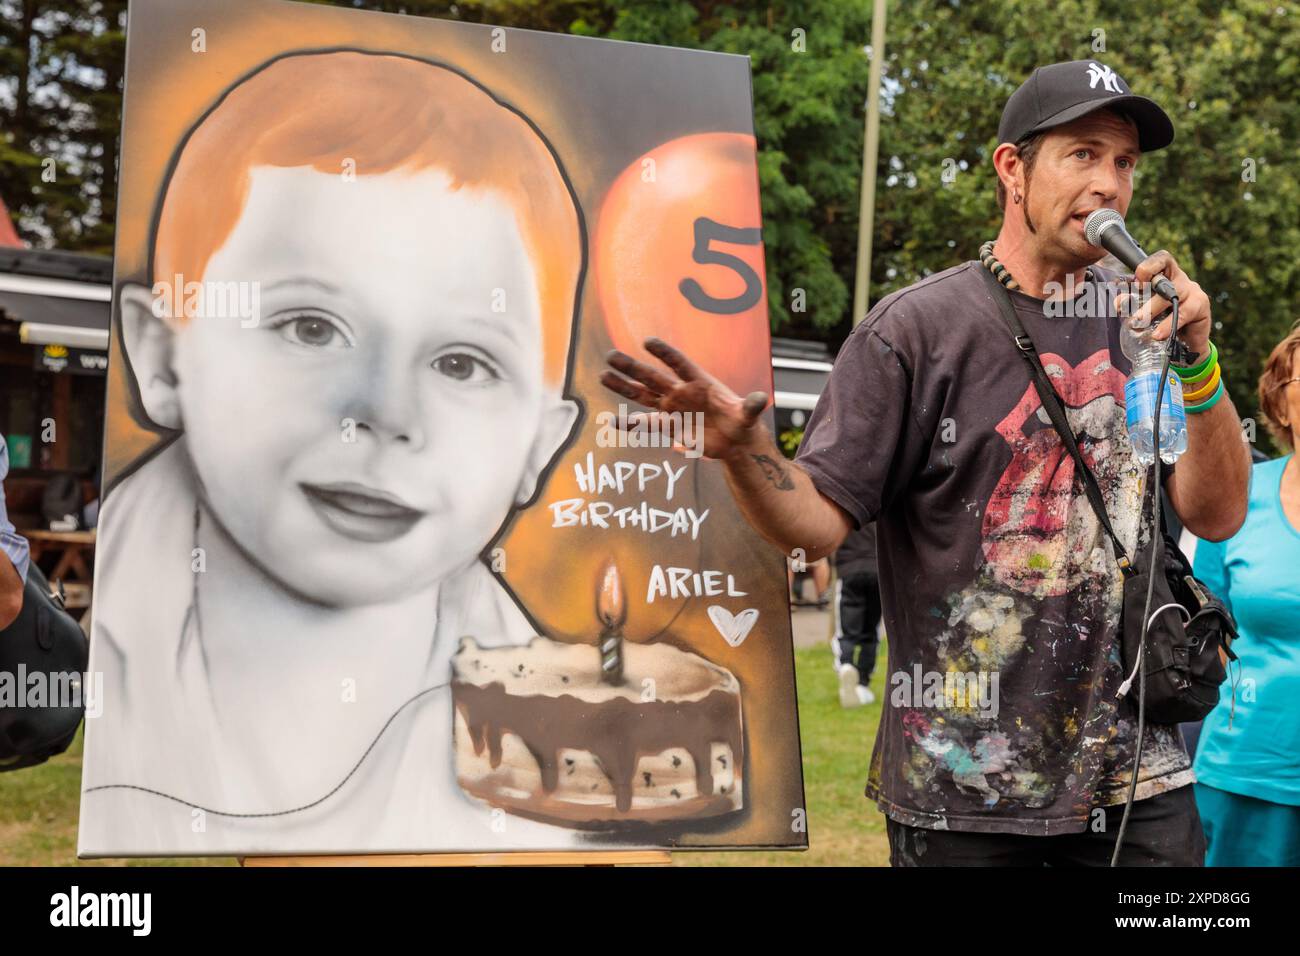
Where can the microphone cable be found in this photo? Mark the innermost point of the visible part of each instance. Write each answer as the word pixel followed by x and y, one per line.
pixel 1157 545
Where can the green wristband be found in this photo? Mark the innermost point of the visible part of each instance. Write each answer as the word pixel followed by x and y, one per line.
pixel 1193 382
pixel 1209 403
pixel 1199 371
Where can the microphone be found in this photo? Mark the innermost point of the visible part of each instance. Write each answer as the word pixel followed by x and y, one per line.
pixel 1105 229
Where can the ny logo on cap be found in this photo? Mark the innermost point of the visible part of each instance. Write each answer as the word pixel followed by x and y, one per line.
pixel 1109 78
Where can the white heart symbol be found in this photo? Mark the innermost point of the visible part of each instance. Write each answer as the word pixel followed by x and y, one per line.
pixel 734 629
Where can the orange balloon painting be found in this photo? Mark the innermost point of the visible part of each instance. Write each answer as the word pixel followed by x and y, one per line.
pixel 678 254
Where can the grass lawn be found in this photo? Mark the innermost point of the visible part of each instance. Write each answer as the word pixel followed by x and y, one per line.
pixel 38 806
pixel 844 828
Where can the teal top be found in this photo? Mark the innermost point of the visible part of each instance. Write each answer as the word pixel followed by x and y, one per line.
pixel 1257 573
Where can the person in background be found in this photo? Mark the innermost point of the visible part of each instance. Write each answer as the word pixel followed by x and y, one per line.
pixel 857 615
pixel 1248 758
pixel 1187 543
pixel 14 554
pixel 820 572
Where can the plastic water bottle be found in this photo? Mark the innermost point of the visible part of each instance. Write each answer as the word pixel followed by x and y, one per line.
pixel 1148 357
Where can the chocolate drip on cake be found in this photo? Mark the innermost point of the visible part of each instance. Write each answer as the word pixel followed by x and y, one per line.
pixel 618 731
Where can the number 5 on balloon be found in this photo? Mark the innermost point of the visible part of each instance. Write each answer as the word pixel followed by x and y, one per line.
pixel 706 232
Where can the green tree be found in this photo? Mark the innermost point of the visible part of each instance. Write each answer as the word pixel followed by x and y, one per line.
pixel 85 56
pixel 60 113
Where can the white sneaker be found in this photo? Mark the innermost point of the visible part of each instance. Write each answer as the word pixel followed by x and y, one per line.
pixel 848 686
pixel 865 695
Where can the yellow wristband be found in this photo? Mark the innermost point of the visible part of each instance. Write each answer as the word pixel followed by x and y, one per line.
pixel 1205 390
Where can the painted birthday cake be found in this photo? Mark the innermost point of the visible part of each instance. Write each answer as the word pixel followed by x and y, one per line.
pixel 542 731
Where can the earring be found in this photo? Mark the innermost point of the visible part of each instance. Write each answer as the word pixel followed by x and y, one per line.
pixel 1017 198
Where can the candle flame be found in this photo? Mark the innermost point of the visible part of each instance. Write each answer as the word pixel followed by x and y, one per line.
pixel 611 607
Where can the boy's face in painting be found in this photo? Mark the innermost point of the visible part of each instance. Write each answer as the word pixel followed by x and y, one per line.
pixel 369 435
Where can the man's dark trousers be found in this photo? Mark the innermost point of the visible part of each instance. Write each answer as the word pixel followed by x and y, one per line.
pixel 857 615
pixel 1164 830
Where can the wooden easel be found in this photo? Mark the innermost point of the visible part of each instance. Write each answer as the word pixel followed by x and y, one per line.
pixel 556 858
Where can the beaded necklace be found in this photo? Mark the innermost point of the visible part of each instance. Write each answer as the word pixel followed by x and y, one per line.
pixel 1000 271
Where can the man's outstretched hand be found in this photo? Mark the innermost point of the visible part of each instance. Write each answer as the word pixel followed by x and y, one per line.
pixel 777 497
pixel 730 424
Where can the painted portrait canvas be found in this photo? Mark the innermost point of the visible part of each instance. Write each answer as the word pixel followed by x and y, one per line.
pixel 382 567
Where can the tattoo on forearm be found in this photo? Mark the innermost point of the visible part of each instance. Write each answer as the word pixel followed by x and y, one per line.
pixel 774 472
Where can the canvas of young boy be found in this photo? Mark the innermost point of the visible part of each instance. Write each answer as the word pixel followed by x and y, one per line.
pixel 280 588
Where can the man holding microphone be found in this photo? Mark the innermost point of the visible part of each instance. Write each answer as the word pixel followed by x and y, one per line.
pixel 13 554
pixel 992 563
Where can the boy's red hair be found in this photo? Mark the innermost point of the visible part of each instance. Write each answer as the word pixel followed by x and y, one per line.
pixel 385 112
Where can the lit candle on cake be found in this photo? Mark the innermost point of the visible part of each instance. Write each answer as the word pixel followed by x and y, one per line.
pixel 566 732
pixel 611 610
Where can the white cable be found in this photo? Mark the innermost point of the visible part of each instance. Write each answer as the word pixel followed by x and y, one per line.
pixel 1124 687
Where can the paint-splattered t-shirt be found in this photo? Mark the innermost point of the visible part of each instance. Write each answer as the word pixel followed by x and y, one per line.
pixel 1001 593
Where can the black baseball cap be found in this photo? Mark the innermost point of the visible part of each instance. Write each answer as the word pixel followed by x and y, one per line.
pixel 1056 94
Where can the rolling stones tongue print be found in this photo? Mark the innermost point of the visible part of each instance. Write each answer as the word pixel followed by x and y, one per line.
pixel 1039 538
